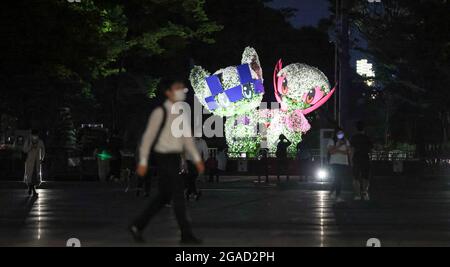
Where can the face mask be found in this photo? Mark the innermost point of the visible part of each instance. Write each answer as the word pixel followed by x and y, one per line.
pixel 340 136
pixel 180 95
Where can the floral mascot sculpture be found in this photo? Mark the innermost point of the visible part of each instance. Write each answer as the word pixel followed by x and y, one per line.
pixel 300 89
pixel 236 94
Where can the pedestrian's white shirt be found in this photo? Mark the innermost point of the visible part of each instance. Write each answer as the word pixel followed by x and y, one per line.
pixel 167 142
pixel 339 158
pixel 202 148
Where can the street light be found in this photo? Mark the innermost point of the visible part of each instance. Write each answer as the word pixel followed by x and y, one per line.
pixel 365 69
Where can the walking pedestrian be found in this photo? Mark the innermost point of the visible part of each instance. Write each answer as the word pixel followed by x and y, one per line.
pixel 339 150
pixel 35 150
pixel 165 149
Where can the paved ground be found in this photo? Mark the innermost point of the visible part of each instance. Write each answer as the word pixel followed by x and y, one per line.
pixel 237 212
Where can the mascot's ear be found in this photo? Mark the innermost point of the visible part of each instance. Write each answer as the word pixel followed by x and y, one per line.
pixel 278 80
pixel 277 76
pixel 197 78
pixel 251 57
pixel 198 82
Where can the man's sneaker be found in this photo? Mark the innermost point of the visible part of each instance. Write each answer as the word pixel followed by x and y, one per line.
pixel 190 240
pixel 136 234
pixel 357 198
pixel 339 200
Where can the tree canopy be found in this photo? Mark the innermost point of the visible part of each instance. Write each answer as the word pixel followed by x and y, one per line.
pixel 54 51
pixel 103 58
pixel 409 43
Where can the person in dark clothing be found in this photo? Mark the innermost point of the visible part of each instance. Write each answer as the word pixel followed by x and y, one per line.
pixel 304 159
pixel 166 149
pixel 263 162
pixel 35 149
pixel 361 147
pixel 282 159
pixel 115 146
pixel 340 152
pixel 212 168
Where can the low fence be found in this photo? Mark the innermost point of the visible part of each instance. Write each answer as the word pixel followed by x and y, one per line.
pixel 86 168
pixel 383 163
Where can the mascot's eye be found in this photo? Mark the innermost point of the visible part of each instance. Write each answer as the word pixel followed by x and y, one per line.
pixel 284 87
pixel 220 75
pixel 255 66
pixel 310 96
pixel 313 96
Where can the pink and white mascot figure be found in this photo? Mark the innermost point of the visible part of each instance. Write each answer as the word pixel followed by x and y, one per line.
pixel 300 89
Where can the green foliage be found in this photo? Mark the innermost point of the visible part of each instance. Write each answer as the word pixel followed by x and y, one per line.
pixel 409 43
pixel 151 86
pixel 63 135
pixel 59 53
pixel 252 23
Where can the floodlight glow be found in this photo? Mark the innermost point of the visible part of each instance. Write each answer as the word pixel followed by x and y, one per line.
pixel 365 69
pixel 322 174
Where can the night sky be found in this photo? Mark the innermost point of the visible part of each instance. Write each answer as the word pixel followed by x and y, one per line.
pixel 309 11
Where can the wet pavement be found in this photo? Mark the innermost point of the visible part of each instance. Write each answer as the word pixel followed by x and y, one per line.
pixel 237 212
